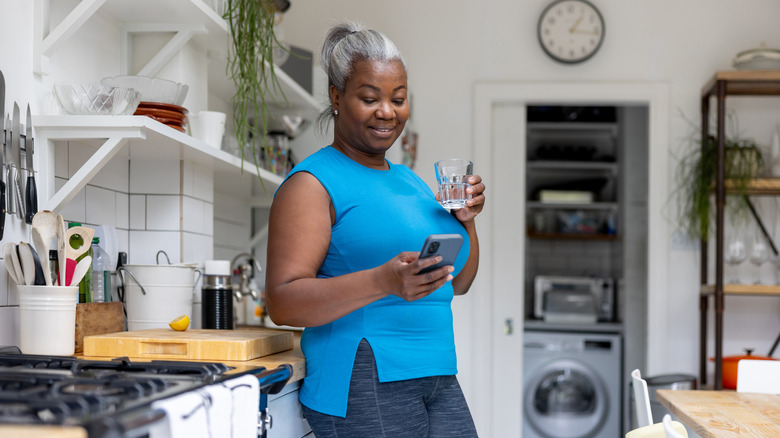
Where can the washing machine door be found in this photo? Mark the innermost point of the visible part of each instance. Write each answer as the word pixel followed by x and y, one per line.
pixel 565 399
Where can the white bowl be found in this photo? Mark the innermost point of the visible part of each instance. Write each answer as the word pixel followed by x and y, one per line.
pixel 151 89
pixel 96 99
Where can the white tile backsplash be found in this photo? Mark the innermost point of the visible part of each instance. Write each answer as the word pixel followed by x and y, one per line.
pixel 123 240
pixel 197 248
pixel 78 154
pixel 100 206
pixel 208 219
pixel 61 160
pixel 76 209
pixel 137 212
pixel 163 213
pixel 187 178
pixel 9 326
pixel 144 245
pixel 193 212
pixel 203 183
pixel 155 177
pixel 113 175
pixel 4 280
pixel 149 203
pixel 122 210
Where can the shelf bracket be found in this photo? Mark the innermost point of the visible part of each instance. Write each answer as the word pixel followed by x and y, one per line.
pixel 183 33
pixel 113 137
pixel 45 42
pixel 85 174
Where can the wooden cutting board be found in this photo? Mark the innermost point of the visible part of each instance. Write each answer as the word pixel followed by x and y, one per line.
pixel 205 344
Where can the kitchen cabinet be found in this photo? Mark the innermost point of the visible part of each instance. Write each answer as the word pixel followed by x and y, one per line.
pixel 288 420
pixel 720 86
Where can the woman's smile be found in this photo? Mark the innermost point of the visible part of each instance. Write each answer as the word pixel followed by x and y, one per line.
pixel 372 110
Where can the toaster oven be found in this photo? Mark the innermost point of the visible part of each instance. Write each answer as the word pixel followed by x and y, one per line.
pixel 574 299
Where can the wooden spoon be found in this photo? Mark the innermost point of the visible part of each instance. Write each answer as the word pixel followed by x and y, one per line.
pixel 72 254
pixel 44 229
pixel 78 272
pixel 60 233
pixel 9 255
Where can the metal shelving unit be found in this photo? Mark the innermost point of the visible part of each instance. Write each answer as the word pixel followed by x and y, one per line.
pixel 721 85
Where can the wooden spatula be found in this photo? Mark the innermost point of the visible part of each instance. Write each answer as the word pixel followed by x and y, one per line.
pixel 71 254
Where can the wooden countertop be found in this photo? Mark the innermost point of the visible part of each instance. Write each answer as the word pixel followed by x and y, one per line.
pixel 293 357
pixel 724 414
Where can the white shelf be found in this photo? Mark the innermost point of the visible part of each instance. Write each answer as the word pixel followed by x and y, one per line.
pixel 136 137
pixel 191 19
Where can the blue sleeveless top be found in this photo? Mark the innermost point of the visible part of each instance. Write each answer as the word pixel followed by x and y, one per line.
pixel 379 214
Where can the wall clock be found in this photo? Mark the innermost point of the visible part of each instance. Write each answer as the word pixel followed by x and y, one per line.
pixel 570 31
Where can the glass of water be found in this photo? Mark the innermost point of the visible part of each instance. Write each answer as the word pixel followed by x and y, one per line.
pixel 452 176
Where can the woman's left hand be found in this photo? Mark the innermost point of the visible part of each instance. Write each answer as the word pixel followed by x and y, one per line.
pixel 474 205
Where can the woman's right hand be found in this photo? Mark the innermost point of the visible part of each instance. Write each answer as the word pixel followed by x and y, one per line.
pixel 400 276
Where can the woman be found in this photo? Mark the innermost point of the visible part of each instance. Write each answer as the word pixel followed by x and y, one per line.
pixel 345 231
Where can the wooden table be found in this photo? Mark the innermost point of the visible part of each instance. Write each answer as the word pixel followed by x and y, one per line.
pixel 725 413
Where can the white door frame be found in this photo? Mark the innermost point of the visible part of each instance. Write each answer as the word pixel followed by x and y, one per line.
pixel 497 394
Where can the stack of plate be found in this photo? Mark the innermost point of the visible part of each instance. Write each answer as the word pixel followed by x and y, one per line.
pixel 168 114
pixel 758 59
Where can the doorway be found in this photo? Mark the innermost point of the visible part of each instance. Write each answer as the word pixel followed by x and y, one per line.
pixel 496 342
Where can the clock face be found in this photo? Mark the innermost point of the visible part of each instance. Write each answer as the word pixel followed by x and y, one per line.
pixel 571 31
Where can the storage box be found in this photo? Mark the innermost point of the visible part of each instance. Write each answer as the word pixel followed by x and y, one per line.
pixel 98 319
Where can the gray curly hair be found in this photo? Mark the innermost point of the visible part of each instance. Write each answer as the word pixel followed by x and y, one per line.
pixel 346 43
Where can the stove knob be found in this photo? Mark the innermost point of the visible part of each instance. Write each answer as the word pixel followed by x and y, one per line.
pixel 265 422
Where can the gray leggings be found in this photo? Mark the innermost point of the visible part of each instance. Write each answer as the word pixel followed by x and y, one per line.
pixel 432 407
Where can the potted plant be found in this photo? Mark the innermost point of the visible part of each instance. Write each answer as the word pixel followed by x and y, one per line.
pixel 251 67
pixel 696 173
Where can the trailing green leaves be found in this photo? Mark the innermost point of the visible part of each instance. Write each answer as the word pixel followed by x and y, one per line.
pixel 696 173
pixel 251 67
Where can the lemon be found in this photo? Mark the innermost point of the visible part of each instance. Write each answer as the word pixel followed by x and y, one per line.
pixel 181 323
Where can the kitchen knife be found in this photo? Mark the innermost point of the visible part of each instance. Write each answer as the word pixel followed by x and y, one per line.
pixel 13 167
pixel 17 152
pixel 6 163
pixel 2 155
pixel 31 197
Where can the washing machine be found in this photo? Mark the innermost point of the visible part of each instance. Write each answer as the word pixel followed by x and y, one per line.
pixel 572 385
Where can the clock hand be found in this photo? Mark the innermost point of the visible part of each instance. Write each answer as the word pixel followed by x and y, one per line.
pixel 585 32
pixel 573 27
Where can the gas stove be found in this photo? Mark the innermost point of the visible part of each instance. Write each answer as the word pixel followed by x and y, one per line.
pixel 106 398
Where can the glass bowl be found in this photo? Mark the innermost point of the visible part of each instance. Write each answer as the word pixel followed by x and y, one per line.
pixel 151 89
pixel 96 99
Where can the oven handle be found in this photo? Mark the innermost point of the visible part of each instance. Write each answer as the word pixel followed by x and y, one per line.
pixel 272 381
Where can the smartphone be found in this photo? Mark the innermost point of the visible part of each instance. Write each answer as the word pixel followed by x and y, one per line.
pixel 445 245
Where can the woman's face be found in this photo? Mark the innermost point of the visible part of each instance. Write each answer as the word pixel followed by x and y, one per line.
pixel 373 109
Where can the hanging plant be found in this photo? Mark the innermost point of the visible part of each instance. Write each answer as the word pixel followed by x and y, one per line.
pixel 251 67
pixel 696 173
